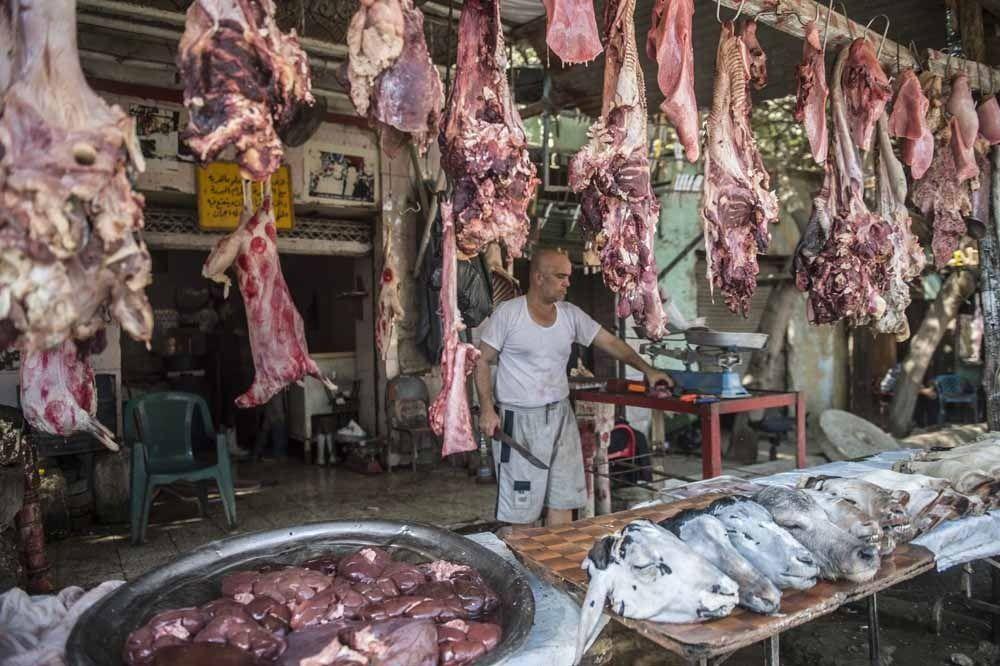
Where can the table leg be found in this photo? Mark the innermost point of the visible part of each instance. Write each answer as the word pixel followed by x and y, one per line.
pixel 772 655
pixel 874 653
pixel 711 441
pixel 800 430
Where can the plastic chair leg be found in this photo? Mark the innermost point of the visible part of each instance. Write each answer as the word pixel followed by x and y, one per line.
pixel 228 495
pixel 136 504
pixel 146 506
pixel 203 498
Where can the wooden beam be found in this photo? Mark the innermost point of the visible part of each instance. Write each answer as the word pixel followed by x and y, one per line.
pixel 844 30
pixel 970 26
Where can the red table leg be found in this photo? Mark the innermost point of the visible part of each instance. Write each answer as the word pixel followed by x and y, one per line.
pixel 800 430
pixel 711 441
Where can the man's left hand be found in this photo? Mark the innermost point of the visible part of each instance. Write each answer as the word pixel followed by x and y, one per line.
pixel 654 377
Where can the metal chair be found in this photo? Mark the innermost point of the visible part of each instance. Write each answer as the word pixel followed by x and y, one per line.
pixel 955 390
pixel 161 428
pixel 406 401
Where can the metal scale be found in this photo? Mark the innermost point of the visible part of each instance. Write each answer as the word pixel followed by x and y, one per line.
pixel 710 348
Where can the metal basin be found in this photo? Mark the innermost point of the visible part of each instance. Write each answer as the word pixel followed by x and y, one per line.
pixel 194 579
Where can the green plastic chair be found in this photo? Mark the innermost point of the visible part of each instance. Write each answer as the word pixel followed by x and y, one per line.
pixel 160 428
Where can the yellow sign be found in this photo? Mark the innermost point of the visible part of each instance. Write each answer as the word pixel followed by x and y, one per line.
pixel 220 196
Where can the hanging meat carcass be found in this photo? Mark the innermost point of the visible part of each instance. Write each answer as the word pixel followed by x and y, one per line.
pixel 611 174
pixel 810 100
pixel 943 194
pixel 737 205
pixel 669 44
pixel 908 122
pixel 449 414
pixel 70 249
pixel 571 31
pixel 58 394
pixel 844 258
pixel 389 308
pixel 390 75
pixel 277 335
pixel 866 91
pixel 484 150
pixel 989 120
pixel 964 127
pixel 908 259
pixel 243 79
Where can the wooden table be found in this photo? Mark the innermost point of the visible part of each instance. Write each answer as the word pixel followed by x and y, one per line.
pixel 710 413
pixel 555 554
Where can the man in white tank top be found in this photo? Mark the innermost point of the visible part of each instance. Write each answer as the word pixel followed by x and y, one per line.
pixel 530 338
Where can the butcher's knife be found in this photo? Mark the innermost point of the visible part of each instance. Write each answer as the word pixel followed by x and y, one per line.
pixel 501 436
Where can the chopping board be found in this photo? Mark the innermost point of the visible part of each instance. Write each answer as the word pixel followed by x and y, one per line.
pixel 555 554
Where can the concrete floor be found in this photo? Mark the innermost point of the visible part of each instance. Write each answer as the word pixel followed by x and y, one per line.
pixel 292 493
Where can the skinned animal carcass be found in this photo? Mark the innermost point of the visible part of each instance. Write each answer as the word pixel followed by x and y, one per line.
pixel 449 414
pixel 765 544
pixel 484 149
pixel 620 213
pixel 840 555
pixel 58 394
pixel 70 246
pixel 908 122
pixel 571 30
pixel 707 536
pixel 244 79
pixel 277 334
pixel 737 204
pixel 647 573
pixel 390 75
pixel 669 44
pixel 866 91
pixel 810 99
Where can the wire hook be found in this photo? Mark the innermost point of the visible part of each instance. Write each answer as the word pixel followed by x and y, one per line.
pixel 884 32
pixel 847 21
pixel 826 30
pixel 915 53
pixel 718 9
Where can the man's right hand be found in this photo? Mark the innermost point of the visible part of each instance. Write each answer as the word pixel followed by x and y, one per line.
pixel 488 421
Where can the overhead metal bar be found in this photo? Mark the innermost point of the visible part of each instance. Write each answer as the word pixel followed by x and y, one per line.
pixel 843 31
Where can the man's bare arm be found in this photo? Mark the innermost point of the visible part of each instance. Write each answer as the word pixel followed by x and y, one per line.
pixel 488 419
pixel 620 350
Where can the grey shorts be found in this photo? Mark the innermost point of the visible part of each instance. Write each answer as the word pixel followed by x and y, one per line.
pixel 551 434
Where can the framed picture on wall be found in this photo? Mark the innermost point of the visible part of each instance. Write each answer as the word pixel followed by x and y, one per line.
pixel 341 174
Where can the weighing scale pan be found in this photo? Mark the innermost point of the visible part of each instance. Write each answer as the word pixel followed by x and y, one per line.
pixel 705 337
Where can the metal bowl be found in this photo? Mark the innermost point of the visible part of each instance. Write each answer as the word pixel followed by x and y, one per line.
pixel 194 579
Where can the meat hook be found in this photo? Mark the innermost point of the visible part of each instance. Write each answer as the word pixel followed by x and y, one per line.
pixel 884 32
pixel 718 8
pixel 826 30
pixel 915 52
pixel 778 15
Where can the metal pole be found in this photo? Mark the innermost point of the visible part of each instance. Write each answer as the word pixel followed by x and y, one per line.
pixel 873 637
pixel 772 655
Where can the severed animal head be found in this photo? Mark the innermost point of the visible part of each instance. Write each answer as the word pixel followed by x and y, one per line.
pixel 770 548
pixel 848 517
pixel 888 507
pixel 840 554
pixel 707 536
pixel 649 574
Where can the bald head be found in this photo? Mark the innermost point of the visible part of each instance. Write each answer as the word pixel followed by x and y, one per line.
pixel 550 273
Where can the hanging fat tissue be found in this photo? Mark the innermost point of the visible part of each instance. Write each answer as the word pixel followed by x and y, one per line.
pixel 70 244
pixel 277 336
pixel 243 79
pixel 611 175
pixel 669 44
pixel 737 204
pixel 390 75
pixel 571 30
